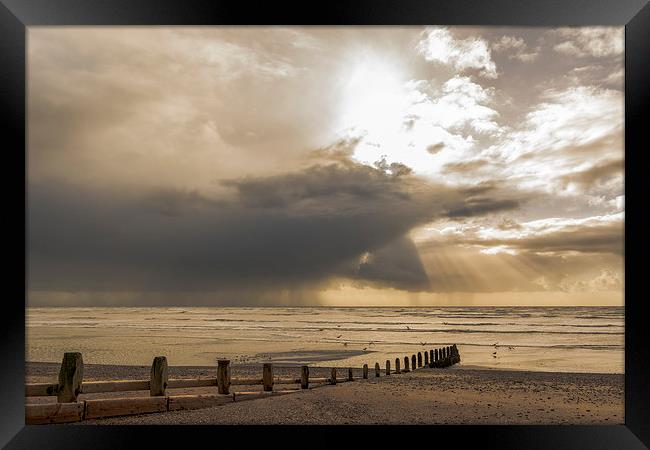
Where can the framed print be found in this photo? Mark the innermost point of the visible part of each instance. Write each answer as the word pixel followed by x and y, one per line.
pixel 312 218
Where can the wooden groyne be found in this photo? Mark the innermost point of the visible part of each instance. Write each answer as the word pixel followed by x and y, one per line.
pixel 70 385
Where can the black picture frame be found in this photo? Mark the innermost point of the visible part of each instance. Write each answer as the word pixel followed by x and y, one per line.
pixel 16 15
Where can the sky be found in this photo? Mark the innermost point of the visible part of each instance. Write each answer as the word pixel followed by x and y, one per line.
pixel 344 166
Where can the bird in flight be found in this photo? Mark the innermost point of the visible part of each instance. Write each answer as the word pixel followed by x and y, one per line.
pixel 365 348
pixel 407 327
pixel 339 336
pixel 423 343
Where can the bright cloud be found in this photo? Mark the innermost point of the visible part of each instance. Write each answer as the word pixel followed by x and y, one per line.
pixel 439 45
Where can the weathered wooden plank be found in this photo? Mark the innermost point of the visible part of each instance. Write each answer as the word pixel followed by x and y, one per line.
pixel 127 406
pixel 319 380
pixel 93 387
pixel 191 382
pixel 180 402
pixel 365 371
pixel 413 362
pixel 286 380
pixel 406 364
pixel 333 376
pixel 387 367
pixel 419 359
pixel 53 413
pixel 70 377
pixel 377 370
pixel 397 369
pixel 350 375
pixel 246 381
pixel 41 389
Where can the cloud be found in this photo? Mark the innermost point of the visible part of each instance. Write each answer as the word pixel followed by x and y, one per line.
pixel 596 42
pixel 465 166
pixel 438 119
pixel 571 130
pixel 598 174
pixel 292 231
pixel 438 45
pixel 556 236
pixel 515 48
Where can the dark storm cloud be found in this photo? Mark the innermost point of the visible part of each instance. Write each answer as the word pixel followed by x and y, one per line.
pixel 284 232
pixel 397 264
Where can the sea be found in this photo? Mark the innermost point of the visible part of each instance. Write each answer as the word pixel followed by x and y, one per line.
pixel 549 339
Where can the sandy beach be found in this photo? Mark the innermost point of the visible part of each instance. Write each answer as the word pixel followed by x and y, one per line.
pixel 455 395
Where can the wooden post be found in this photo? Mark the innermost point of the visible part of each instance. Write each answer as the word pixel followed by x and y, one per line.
pixel 304 377
pixel 267 376
pixel 431 358
pixel 436 354
pixel 397 370
pixel 419 359
pixel 223 376
pixel 387 367
pixel 413 362
pixel 70 377
pixel 158 376
pixel 350 376
pixel 365 371
pixel 377 370
pixel 406 364
pixel 426 359
pixel 333 377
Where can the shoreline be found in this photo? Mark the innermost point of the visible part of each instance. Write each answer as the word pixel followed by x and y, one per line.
pixel 453 395
pixel 36 371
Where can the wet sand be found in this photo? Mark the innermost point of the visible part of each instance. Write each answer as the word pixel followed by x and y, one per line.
pixel 455 395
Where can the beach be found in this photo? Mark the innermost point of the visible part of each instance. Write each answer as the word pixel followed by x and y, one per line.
pixel 455 395
pixel 568 339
